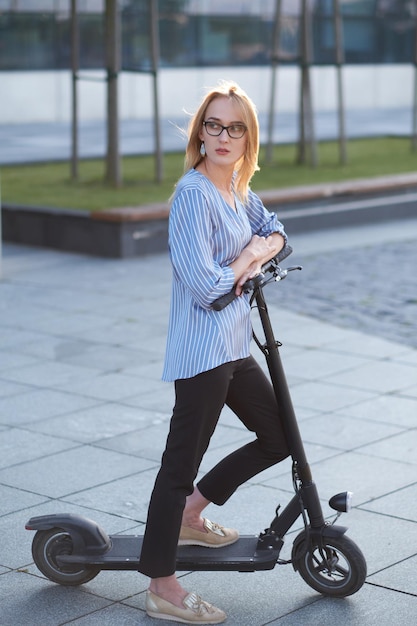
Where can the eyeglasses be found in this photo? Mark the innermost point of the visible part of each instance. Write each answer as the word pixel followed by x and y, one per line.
pixel 235 131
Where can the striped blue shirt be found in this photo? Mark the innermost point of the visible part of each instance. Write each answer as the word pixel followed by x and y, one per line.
pixel 205 236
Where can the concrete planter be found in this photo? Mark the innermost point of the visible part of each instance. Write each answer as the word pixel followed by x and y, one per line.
pixel 114 233
pixel 135 231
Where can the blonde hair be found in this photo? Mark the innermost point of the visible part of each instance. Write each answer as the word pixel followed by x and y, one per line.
pixel 248 164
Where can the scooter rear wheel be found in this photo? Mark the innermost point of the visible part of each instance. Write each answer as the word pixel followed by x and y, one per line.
pixel 46 546
pixel 336 568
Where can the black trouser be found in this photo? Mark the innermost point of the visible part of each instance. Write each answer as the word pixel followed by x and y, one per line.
pixel 241 385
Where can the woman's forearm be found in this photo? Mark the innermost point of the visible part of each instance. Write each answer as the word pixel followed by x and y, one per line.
pixel 257 252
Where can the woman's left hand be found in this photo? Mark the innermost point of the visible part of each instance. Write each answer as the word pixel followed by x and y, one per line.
pixel 254 256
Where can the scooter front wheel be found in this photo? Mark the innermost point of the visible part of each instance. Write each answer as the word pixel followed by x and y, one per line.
pixel 335 568
pixel 47 545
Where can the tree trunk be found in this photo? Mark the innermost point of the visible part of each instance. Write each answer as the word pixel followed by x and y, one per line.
pixel 112 44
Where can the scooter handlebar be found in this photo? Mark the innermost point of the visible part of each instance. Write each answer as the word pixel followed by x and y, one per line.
pixel 282 254
pixel 249 285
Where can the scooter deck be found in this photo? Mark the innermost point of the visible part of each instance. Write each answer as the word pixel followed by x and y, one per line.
pixel 241 556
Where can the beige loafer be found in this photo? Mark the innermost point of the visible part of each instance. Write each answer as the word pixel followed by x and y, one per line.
pixel 195 610
pixel 215 536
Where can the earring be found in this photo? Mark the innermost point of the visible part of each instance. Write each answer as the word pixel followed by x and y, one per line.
pixel 203 149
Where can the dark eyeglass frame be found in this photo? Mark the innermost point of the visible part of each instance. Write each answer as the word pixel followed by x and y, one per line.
pixel 226 128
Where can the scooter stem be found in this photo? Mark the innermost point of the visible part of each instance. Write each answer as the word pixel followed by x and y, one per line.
pixel 308 489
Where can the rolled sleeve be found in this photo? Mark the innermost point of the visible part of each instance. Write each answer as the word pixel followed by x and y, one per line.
pixel 263 222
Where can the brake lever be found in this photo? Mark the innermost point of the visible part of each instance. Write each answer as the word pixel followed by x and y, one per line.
pixel 280 274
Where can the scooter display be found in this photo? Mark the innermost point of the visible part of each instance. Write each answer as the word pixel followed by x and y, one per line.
pixel 70 549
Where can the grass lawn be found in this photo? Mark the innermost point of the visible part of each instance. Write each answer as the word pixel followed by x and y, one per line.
pixel 49 184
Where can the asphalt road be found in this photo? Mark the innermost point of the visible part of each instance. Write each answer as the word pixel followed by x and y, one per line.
pixel 369 286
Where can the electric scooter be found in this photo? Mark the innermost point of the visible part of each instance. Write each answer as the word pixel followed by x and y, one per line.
pixel 71 549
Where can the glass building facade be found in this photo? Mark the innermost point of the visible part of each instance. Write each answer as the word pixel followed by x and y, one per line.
pixel 36 34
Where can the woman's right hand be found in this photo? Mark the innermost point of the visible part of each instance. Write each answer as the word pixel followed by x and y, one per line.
pixel 261 247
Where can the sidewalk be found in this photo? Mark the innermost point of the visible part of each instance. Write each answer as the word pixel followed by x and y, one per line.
pixel 84 416
pixel 51 141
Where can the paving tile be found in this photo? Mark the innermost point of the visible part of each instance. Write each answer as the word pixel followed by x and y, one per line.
pixel 114 614
pixel 380 376
pixel 11 360
pixel 365 345
pixel 70 471
pixel 401 504
pixel 47 374
pixel 147 443
pixel 49 347
pixel 400 577
pixel 387 409
pixel 323 396
pixel 316 363
pixel 344 433
pixel 160 398
pixel 121 332
pixel 410 392
pixel 409 357
pixel 98 357
pixel 17 499
pixel 107 386
pixel 33 318
pixel 110 585
pixel 102 422
pixel 8 388
pixel 149 366
pixel 308 333
pixel 39 404
pixel 38 601
pixel 20 446
pixel 125 497
pixel 368 607
pixel 19 339
pixel 78 301
pixel 397 447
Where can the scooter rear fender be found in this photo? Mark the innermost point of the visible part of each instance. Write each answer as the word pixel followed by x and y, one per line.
pixel 87 536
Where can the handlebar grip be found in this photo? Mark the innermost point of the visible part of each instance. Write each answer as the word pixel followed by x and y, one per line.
pixel 282 254
pixel 223 301
pixel 248 286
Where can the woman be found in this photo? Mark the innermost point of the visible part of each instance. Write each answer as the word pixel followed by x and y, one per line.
pixel 220 235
